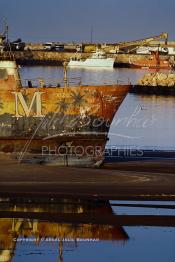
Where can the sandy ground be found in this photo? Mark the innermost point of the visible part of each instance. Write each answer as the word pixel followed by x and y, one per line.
pixel 154 166
pixel 144 180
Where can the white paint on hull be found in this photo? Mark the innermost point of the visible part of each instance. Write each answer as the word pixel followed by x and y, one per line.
pixel 108 62
pixel 10 66
pixel 97 59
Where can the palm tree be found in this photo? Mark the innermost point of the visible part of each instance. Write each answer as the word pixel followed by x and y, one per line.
pixel 1 104
pixel 62 105
pixel 78 99
pixel 61 108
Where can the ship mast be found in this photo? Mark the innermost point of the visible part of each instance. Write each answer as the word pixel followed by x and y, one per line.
pixel 66 82
pixel 6 52
pixel 6 30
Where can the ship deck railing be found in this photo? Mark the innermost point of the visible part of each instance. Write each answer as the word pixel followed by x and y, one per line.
pixel 108 82
pixel 60 82
pixel 51 82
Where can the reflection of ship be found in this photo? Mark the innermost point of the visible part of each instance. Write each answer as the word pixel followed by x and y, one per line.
pixel 97 59
pixel 153 62
pixel 45 118
pixel 14 229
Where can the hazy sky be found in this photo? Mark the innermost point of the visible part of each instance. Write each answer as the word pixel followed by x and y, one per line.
pixel 71 20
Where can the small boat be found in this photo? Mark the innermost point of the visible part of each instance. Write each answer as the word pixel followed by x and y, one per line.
pixel 61 123
pixel 97 59
pixel 153 62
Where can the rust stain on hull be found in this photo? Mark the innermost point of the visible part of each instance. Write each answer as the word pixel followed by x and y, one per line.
pixel 154 62
pixel 31 118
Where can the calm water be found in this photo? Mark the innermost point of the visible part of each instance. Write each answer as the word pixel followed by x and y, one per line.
pixel 31 237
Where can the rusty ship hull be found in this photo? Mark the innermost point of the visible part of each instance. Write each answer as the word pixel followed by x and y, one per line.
pixel 70 122
pixel 153 62
pixel 147 64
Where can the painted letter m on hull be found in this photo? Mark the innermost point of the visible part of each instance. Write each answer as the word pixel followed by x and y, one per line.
pixel 34 108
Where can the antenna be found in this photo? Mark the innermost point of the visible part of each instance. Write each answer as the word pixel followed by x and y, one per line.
pixel 92 29
pixel 6 30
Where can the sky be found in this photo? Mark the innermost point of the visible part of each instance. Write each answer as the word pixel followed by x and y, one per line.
pixel 72 20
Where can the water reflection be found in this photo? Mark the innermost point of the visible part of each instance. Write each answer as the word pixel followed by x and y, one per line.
pixel 33 222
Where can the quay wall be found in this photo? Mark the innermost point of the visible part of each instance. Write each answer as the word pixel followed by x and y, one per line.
pixel 35 57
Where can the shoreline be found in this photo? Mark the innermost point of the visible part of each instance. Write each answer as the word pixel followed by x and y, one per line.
pixel 136 180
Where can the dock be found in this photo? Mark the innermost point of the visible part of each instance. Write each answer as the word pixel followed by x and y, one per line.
pixel 55 58
pixel 145 180
pixel 153 90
